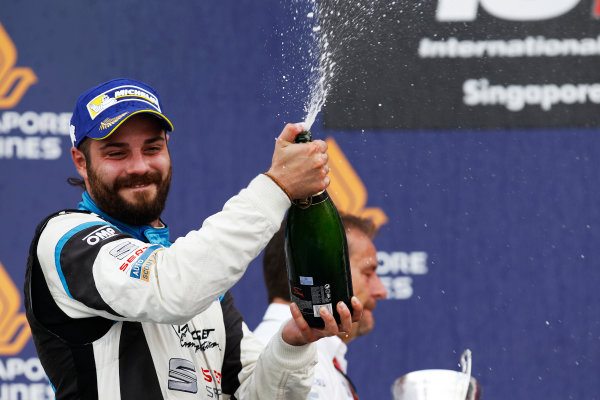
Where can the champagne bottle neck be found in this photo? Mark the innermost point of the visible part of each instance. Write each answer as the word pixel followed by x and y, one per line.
pixel 303 137
pixel 312 200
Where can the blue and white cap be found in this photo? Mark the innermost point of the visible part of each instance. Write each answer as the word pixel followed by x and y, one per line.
pixel 102 109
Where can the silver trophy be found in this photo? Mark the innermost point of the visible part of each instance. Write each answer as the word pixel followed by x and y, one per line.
pixel 439 384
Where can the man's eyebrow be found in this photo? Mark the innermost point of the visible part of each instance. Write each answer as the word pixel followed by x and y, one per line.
pixel 113 144
pixel 155 139
pixel 124 145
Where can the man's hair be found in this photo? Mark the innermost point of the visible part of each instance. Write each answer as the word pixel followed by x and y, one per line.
pixel 84 147
pixel 274 268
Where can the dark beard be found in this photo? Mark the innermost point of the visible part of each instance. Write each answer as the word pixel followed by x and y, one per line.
pixel 109 200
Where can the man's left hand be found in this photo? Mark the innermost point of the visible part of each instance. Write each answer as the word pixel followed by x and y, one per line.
pixel 297 332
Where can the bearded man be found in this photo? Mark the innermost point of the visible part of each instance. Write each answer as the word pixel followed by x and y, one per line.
pixel 118 311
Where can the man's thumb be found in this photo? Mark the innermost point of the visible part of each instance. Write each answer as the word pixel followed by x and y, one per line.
pixel 290 132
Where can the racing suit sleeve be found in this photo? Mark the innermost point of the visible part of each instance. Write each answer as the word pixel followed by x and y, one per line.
pixel 329 383
pixel 93 269
pixel 280 371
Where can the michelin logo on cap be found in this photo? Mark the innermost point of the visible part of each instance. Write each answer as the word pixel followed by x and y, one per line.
pixel 117 95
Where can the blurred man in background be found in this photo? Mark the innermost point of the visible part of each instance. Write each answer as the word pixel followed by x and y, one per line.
pixel 331 381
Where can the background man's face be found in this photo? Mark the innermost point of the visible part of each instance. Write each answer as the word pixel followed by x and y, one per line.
pixel 129 173
pixel 365 281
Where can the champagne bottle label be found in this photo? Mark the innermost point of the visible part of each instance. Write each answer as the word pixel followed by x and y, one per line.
pixel 310 298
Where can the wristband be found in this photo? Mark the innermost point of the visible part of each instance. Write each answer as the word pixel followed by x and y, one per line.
pixel 280 185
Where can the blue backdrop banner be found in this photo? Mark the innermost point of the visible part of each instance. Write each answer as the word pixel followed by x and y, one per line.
pixel 488 237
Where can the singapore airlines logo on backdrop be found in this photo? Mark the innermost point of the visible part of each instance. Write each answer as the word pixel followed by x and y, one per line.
pixel 14 329
pixel 21 376
pixel 30 135
pixel 14 81
pixel 350 196
pixel 346 189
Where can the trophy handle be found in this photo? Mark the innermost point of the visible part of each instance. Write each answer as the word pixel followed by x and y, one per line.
pixel 465 362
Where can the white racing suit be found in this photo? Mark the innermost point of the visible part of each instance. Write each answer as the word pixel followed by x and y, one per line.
pixel 118 312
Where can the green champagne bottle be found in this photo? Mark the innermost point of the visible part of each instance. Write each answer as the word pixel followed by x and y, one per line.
pixel 316 252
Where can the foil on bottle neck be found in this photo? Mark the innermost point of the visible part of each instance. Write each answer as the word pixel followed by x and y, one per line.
pixel 312 200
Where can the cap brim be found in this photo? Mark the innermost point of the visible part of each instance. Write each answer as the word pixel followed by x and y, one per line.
pixel 98 133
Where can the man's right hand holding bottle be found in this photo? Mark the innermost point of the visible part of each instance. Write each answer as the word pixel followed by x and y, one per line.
pixel 299 168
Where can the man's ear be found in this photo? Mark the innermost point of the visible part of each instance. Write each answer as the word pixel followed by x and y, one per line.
pixel 80 161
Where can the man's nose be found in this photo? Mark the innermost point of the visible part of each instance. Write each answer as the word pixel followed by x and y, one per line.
pixel 137 164
pixel 377 288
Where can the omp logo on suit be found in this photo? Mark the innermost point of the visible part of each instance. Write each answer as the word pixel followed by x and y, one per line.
pixel 14 330
pixel 347 189
pixel 14 81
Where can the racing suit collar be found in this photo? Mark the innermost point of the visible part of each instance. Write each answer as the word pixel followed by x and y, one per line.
pixel 145 233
